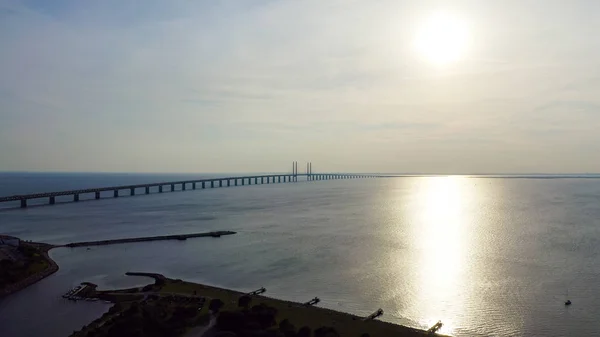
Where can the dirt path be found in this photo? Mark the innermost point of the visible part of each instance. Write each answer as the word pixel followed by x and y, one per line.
pixel 204 330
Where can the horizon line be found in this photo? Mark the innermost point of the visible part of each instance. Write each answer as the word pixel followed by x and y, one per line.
pixel 304 173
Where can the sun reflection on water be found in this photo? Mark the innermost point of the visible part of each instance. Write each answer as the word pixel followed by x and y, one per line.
pixel 439 221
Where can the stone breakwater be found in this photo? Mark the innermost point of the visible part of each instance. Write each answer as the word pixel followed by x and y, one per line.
pixel 53 267
pixel 150 238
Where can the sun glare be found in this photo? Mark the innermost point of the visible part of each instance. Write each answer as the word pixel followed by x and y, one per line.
pixel 442 38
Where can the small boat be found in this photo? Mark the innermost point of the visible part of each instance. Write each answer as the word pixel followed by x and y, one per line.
pixel 568 302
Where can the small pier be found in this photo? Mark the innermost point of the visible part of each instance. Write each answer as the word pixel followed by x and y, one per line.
pixel 80 293
pixel 150 238
pixel 435 327
pixel 257 291
pixel 312 302
pixel 374 315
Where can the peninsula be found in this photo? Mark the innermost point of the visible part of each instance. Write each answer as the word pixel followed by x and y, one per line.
pixel 23 263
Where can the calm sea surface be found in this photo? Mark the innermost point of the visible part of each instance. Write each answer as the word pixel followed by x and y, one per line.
pixel 487 256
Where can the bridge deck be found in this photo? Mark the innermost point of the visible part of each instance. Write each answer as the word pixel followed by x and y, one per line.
pixel 23 197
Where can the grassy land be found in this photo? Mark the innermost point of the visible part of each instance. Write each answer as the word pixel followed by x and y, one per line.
pixel 171 307
pixel 298 314
pixel 31 263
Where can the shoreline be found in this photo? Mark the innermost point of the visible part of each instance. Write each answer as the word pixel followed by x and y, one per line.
pixel 347 324
pixel 52 268
pixel 164 287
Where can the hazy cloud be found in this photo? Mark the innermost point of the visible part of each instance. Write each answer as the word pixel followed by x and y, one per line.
pixel 252 85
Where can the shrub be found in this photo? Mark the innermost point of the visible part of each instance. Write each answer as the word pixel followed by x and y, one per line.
pixel 304 332
pixel 215 304
pixel 287 328
pixel 244 301
pixel 326 331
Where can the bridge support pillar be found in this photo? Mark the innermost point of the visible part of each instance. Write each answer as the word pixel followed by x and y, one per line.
pixel 183 186
pixel 159 188
pixel 75 197
pixel 132 191
pixel 220 183
pixel 262 180
pixel 147 189
pixel 228 182
pixel 235 182
pixel 23 203
pixel 194 186
pixel 255 181
pixel 52 201
pixel 243 181
pixel 212 184
pixel 97 195
pixel 116 193
pixel 172 187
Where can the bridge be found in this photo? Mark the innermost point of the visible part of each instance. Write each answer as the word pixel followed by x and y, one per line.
pixel 184 185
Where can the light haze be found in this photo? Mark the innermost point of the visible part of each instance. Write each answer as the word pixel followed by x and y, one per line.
pixel 243 86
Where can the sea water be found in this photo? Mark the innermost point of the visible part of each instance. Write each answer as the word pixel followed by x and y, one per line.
pixel 485 255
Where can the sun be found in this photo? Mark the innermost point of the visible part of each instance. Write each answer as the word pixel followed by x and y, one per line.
pixel 442 38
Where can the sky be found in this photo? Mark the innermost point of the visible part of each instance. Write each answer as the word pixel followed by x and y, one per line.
pixel 250 86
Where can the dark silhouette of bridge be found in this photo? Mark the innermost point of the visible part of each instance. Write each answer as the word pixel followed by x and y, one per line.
pixel 142 189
